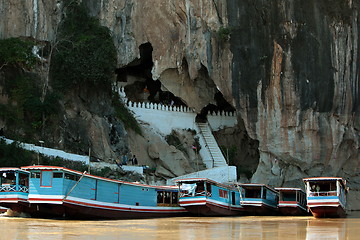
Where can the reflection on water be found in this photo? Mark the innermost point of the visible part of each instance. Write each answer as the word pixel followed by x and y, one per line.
pixel 183 228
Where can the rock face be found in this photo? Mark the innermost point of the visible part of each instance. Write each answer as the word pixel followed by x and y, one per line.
pixel 290 68
pixel 302 101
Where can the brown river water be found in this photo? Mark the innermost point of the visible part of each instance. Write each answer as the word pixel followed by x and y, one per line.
pixel 183 228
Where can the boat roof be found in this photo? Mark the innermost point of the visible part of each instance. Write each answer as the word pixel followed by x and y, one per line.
pixel 40 167
pixel 320 179
pixel 188 180
pixel 193 180
pixel 7 169
pixel 252 184
pixel 288 189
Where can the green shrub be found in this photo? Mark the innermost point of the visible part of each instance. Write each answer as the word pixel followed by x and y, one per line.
pixel 28 112
pixel 123 113
pixel 229 153
pixel 16 51
pixel 85 52
pixel 224 33
pixel 13 156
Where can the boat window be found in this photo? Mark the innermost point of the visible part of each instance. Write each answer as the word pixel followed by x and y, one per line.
pixel 160 197
pixel 200 187
pixel 35 175
pixel 71 177
pixel 233 198
pixel 288 196
pixel 187 189
pixel 24 179
pixel 167 198
pixel 302 198
pixel 264 193
pixel 223 193
pixel 208 187
pixel 252 193
pixel 8 178
pixel 57 174
pixel 174 199
pixel 323 186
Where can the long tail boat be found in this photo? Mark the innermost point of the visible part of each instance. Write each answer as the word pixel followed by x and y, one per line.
pixel 326 196
pixel 292 201
pixel 205 197
pixel 14 188
pixel 259 199
pixel 61 192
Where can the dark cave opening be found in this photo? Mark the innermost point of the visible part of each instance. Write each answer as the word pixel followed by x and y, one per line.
pixel 220 106
pixel 140 67
pixel 138 83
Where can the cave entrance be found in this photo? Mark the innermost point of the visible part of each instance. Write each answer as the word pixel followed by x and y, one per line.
pixel 221 105
pixel 139 86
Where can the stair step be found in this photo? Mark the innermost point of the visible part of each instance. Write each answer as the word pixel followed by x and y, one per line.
pixel 217 157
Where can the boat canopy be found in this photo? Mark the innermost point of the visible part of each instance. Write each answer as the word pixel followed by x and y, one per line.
pixel 325 179
pixel 206 180
pixel 8 169
pixel 254 185
pixel 67 170
pixel 285 189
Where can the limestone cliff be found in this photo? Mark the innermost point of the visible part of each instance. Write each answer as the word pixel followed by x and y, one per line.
pixel 290 68
pixel 295 78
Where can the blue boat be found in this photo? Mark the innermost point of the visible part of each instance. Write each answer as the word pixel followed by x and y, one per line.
pixel 61 192
pixel 258 199
pixel 326 196
pixel 14 188
pixel 204 197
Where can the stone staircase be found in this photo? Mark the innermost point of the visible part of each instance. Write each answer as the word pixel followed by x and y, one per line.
pixel 214 158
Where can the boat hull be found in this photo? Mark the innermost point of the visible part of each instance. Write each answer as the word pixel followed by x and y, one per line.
pixel 17 204
pixel 290 208
pixel 75 211
pixel 293 211
pixel 260 210
pixel 212 210
pixel 328 212
pixel 208 207
pixel 69 210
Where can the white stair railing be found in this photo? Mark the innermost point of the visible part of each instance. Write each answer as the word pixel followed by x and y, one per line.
pixel 215 154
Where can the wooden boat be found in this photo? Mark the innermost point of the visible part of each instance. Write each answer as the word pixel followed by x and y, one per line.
pixel 292 202
pixel 258 199
pixel 204 197
pixel 326 196
pixel 61 192
pixel 14 188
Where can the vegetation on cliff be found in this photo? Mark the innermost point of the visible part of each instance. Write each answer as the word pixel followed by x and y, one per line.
pixel 17 52
pixel 26 111
pixel 23 111
pixel 85 53
pixel 123 113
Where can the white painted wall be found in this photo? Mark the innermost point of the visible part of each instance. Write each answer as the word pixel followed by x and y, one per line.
pixel 221 120
pixel 50 152
pixel 165 118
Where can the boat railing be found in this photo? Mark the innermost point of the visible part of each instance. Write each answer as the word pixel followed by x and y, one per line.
pixel 322 194
pixel 13 188
pixel 192 194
